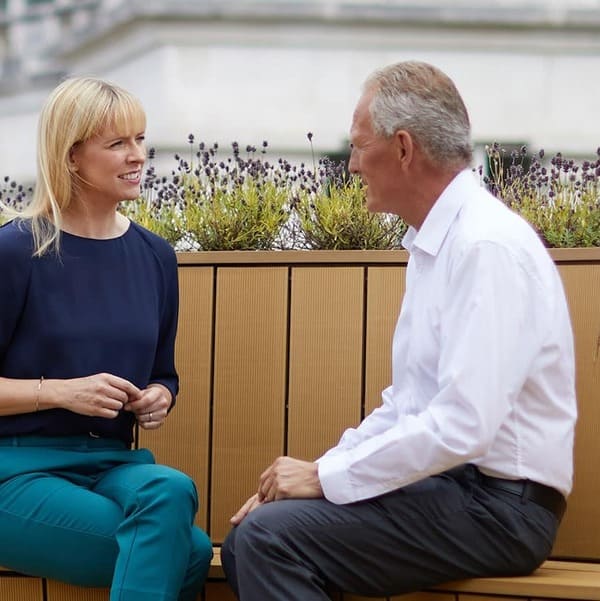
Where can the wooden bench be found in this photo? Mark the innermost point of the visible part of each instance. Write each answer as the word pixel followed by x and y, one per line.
pixel 564 580
pixel 279 352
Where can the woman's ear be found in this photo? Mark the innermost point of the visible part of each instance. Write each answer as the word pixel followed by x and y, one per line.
pixel 72 159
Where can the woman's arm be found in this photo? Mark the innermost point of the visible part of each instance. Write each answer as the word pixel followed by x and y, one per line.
pixel 100 395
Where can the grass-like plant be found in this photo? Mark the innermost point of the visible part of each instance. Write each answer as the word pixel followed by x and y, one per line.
pixel 332 214
pixel 561 200
pixel 211 202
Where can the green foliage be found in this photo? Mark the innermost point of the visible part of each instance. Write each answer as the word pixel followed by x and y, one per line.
pixel 162 219
pixel 334 216
pixel 210 203
pixel 561 200
pixel 236 202
pixel 249 216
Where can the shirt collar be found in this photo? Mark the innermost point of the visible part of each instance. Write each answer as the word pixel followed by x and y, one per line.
pixel 431 235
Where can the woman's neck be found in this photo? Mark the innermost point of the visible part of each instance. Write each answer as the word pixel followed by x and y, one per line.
pixel 100 225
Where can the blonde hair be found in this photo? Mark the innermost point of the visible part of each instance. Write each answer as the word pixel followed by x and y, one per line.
pixel 75 111
pixel 422 100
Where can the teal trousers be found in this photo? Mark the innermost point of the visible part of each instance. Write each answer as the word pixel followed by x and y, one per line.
pixel 92 512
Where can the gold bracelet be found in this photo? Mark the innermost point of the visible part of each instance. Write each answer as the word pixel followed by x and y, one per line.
pixel 37 396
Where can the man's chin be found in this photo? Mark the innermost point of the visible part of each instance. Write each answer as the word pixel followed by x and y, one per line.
pixel 372 205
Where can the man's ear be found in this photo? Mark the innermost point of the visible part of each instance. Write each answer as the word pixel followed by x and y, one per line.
pixel 404 147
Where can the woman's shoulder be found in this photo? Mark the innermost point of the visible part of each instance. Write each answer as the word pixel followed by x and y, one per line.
pixel 16 253
pixel 16 238
pixel 158 245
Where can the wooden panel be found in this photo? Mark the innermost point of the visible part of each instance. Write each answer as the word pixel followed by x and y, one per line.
pixel 183 440
pixel 301 257
pixel 59 591
pixel 218 591
pixel 486 598
pixel 428 596
pixel 578 535
pixel 326 334
pixel 384 296
pixel 16 588
pixel 215 571
pixel 249 388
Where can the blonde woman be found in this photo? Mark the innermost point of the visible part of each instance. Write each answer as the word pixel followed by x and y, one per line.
pixel 88 320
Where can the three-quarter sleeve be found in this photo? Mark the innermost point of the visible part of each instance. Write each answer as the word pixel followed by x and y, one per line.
pixel 163 371
pixel 15 273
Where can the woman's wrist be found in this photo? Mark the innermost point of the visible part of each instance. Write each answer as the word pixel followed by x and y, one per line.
pixel 38 393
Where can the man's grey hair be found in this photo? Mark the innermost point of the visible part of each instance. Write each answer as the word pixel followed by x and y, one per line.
pixel 421 99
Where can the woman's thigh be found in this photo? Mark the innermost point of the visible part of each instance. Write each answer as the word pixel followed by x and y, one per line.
pixel 51 527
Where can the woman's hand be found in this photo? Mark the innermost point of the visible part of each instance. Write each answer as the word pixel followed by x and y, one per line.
pixel 151 406
pixel 100 395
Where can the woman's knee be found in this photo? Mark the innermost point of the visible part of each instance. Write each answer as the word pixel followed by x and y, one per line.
pixel 202 548
pixel 170 486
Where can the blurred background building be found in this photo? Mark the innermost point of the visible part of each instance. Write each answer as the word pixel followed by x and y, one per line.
pixel 254 70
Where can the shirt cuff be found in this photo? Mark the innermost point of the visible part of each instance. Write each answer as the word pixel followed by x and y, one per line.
pixel 333 475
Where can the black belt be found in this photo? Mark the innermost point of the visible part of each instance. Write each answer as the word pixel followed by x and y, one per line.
pixel 546 496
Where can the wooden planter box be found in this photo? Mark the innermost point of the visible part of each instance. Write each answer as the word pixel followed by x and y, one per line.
pixel 279 352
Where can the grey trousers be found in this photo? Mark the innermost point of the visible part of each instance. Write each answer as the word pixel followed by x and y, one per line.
pixel 443 528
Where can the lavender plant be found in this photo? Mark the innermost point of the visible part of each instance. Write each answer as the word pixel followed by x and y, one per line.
pixel 13 197
pixel 246 202
pixel 561 199
pixel 332 214
pixel 213 203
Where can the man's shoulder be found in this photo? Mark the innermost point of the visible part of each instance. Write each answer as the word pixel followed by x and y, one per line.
pixel 484 218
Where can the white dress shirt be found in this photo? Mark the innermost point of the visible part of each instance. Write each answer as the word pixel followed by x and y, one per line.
pixel 482 359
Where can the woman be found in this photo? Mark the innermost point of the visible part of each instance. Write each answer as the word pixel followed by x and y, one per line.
pixel 87 329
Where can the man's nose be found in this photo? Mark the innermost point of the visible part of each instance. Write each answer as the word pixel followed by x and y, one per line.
pixel 353 163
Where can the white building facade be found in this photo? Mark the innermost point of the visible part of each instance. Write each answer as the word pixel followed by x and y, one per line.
pixel 254 70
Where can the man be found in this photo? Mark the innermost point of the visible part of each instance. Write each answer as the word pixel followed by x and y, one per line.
pixel 464 468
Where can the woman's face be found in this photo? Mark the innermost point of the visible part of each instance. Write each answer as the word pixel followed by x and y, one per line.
pixel 108 166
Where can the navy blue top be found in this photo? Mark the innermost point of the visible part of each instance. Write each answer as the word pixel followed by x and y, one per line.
pixel 99 306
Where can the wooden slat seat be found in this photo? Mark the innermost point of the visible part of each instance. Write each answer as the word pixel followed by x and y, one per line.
pixel 553 580
pixel 565 580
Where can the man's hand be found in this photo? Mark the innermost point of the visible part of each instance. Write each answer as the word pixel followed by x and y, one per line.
pixel 289 478
pixel 251 504
pixel 285 478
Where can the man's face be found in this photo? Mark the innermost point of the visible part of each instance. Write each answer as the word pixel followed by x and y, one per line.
pixel 376 160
